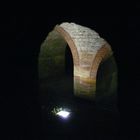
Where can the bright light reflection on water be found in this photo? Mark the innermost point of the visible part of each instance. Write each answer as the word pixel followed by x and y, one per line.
pixel 62 112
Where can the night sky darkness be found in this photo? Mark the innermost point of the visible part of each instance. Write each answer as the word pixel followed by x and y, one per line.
pixel 22 37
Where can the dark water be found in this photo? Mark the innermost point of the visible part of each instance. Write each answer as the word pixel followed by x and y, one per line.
pixel 87 120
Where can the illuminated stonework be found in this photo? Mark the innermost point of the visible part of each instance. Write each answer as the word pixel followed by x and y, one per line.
pixel 88 49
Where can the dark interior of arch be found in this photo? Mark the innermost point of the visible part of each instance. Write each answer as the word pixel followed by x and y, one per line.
pixel 56 67
pixel 68 62
pixel 106 83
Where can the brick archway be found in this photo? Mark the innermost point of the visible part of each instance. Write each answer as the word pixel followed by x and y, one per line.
pixel 88 49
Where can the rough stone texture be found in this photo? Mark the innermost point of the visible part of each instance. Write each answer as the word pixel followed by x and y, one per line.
pixel 88 49
pixel 85 39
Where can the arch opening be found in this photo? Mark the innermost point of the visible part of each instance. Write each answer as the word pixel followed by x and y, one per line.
pixel 106 81
pixel 68 62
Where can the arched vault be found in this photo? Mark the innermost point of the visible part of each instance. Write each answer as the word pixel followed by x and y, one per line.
pixel 88 50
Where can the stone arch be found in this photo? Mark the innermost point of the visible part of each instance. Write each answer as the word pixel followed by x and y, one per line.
pixel 70 42
pixel 88 49
pixel 104 53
